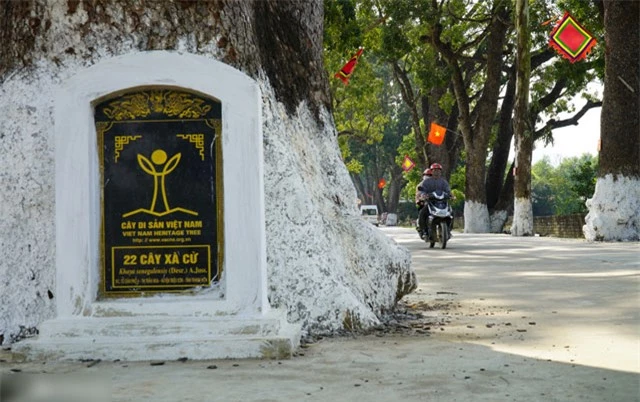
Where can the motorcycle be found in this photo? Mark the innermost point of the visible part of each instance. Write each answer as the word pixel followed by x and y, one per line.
pixel 440 219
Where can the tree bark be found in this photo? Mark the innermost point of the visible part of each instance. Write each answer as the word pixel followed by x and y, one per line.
pixel 395 187
pixel 620 138
pixel 287 33
pixel 522 210
pixel 502 146
pixel 614 210
pixel 504 206
pixel 267 44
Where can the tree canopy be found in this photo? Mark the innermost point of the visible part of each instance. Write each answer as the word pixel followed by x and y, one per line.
pixel 450 62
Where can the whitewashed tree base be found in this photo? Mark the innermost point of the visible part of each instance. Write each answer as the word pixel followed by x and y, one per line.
pixel 522 217
pixel 392 220
pixel 614 210
pixel 476 217
pixel 326 266
pixel 498 219
pixel 228 319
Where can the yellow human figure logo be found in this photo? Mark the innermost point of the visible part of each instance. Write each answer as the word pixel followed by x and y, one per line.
pixel 159 157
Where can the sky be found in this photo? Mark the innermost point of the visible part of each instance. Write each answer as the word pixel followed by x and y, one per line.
pixel 572 140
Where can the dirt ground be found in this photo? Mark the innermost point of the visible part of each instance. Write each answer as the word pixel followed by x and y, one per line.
pixel 495 318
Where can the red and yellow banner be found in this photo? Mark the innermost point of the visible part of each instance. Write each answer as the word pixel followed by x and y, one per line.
pixel 570 39
pixel 407 163
pixel 345 72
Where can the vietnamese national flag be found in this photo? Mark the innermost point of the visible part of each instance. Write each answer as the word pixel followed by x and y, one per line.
pixel 407 164
pixel 345 73
pixel 436 134
pixel 382 183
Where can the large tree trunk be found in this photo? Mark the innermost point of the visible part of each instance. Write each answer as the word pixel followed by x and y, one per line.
pixel 504 206
pixel 476 126
pixel 522 210
pixel 502 146
pixel 395 187
pixel 496 187
pixel 318 249
pixel 614 210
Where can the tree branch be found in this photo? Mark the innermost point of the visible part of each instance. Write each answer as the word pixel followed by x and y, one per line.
pixel 541 57
pixel 346 132
pixel 550 98
pixel 572 121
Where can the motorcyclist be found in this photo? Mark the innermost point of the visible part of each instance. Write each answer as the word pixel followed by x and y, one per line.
pixel 421 198
pixel 421 195
pixel 434 183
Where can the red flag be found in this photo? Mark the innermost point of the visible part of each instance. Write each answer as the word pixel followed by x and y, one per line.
pixel 436 134
pixel 570 39
pixel 382 183
pixel 345 73
pixel 407 164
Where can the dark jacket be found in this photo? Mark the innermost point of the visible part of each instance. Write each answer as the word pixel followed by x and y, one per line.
pixel 432 184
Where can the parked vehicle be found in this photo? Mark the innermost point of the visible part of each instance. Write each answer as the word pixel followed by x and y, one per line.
pixel 370 213
pixel 440 219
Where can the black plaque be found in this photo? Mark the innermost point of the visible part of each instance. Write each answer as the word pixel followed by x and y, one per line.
pixel 160 165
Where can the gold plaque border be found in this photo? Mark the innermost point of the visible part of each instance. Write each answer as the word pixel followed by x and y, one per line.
pixel 101 129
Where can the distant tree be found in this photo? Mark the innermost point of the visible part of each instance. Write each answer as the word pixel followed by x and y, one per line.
pixel 370 120
pixel 576 177
pixel 563 190
pixel 543 188
pixel 583 180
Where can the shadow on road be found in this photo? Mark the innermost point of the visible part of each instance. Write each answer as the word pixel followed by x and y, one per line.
pixel 565 299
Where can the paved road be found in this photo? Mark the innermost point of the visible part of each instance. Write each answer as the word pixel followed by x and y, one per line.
pixel 503 319
pixel 557 292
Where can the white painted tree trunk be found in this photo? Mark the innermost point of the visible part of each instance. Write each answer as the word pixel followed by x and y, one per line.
pixel 522 217
pixel 498 219
pixel 522 209
pixel 327 267
pixel 614 210
pixel 476 217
